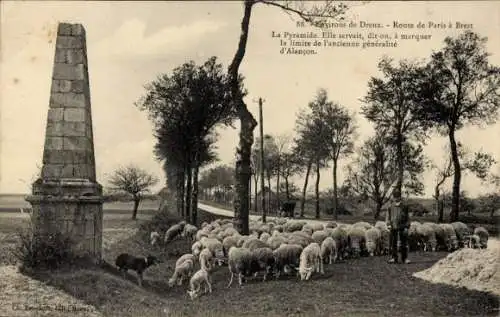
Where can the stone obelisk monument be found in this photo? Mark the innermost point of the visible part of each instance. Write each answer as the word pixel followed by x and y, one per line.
pixel 67 198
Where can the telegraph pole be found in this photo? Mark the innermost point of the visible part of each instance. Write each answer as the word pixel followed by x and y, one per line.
pixel 262 187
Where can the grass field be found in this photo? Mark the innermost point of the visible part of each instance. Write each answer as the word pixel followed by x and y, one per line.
pixel 363 287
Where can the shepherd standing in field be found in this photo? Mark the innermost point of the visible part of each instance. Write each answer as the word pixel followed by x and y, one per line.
pixel 398 222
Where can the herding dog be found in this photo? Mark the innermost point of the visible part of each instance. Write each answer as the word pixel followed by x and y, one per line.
pixel 126 262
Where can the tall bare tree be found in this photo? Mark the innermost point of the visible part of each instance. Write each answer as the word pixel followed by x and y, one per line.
pixel 460 88
pixel 134 181
pixel 310 12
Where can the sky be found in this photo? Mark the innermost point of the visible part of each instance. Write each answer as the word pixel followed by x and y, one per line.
pixel 130 43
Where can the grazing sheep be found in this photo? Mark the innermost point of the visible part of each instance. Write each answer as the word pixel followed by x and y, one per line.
pixel 154 237
pixel 381 225
pixel 196 248
pixel 202 233
pixel 331 224
pixel 253 243
pixel 287 255
pixel 362 224
pixel 215 246
pixel 317 226
pixel 239 262
pixel 462 232
pixel 450 236
pixel 310 260
pixel 294 225
pixel 319 236
pixel 428 235
pixel 328 250
pixel 440 235
pixel 302 240
pixel 275 241
pixel 356 238
pixel 264 237
pixel 262 260
pixel 189 231
pixel 474 242
pixel 483 235
pixel 372 237
pixel 187 256
pixel 340 236
pixel 183 270
pixel 173 232
pixel 206 259
pixel 303 234
pixel 228 242
pixel 200 277
pixel 308 229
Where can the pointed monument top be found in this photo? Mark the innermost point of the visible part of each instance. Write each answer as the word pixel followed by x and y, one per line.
pixel 69 147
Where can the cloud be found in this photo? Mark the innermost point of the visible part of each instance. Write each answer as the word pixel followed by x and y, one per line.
pixel 130 40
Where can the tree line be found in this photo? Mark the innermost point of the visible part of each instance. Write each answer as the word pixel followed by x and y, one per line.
pixel 408 103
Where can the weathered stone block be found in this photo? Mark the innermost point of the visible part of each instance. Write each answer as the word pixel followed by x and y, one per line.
pixel 51 170
pixel 64 29
pixel 55 115
pixel 68 71
pixel 77 29
pixel 68 171
pixel 65 129
pixel 67 100
pixel 61 86
pixel 78 86
pixel 69 42
pixel 75 114
pixel 54 143
pixel 76 143
pixel 69 56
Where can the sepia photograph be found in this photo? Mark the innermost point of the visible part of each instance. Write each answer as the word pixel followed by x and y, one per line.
pixel 249 158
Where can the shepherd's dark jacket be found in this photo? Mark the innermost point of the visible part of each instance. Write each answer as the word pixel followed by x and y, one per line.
pixel 398 216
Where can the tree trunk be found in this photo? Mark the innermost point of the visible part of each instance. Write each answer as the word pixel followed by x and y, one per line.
pixel 250 192
pixel 455 198
pixel 287 189
pixel 378 209
pixel 189 189
pixel 180 192
pixel 269 198
pixel 255 198
pixel 316 190
pixel 304 189
pixel 194 202
pixel 277 188
pixel 400 163
pixel 248 123
pixel 335 191
pixel 136 207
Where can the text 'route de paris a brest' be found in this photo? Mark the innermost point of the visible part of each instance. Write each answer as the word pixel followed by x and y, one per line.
pixel 307 40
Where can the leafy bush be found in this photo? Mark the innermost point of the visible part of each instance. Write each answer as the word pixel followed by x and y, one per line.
pixel 36 251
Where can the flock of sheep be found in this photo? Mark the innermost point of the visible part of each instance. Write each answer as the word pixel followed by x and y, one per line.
pixel 282 245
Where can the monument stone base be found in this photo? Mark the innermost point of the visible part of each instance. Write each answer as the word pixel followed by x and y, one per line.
pixel 73 208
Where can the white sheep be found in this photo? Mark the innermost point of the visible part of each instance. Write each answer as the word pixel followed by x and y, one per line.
pixel 264 236
pixel 462 231
pixel 357 241
pixel 215 246
pixel 228 242
pixel 328 250
pixel 310 260
pixel 319 236
pixel 239 261
pixel 183 269
pixel 339 234
pixel 189 231
pixel 196 248
pixel 331 224
pixel 483 235
pixel 317 226
pixel 173 232
pixel 200 277
pixel 287 255
pixel 450 236
pixel 474 241
pixel 373 236
pixel 275 241
pixel 206 259
pixel 428 235
pixel 154 237
pixel 253 243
